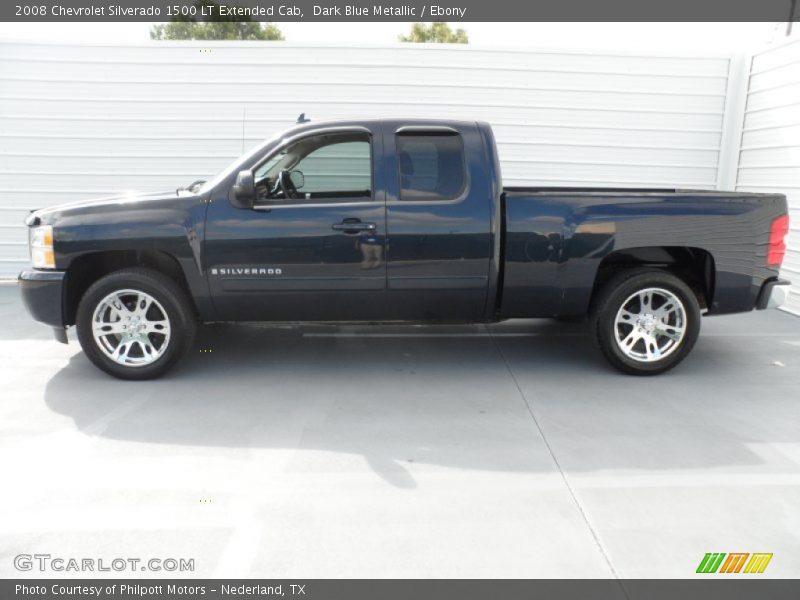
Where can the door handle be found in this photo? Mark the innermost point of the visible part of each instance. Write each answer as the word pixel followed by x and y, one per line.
pixel 353 226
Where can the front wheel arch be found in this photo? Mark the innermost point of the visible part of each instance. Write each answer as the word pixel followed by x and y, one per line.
pixel 87 269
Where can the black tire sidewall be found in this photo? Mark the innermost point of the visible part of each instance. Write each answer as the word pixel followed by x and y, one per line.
pixel 166 292
pixel 617 291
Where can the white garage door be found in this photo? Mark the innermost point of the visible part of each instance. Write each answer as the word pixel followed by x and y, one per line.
pixel 769 160
pixel 78 121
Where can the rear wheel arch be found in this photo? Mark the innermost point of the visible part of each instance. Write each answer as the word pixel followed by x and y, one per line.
pixel 692 265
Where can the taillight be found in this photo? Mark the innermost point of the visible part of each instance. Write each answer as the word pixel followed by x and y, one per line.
pixel 777 241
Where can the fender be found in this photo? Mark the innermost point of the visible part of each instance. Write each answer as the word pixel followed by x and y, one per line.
pixel 165 223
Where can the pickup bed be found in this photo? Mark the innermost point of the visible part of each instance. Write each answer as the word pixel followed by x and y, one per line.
pixel 397 220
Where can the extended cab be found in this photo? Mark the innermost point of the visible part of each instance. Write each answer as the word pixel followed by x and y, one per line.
pixel 397 220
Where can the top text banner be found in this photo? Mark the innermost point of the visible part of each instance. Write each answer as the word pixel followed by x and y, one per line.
pixel 399 10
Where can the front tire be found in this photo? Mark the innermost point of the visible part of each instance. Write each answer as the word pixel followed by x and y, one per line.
pixel 135 323
pixel 645 321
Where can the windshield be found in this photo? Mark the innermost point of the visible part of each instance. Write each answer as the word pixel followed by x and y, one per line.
pixel 235 165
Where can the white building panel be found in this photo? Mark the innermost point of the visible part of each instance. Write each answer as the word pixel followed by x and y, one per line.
pixel 769 158
pixel 78 121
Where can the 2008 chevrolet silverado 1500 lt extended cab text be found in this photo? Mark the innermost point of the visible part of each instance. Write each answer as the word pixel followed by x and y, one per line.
pixel 397 220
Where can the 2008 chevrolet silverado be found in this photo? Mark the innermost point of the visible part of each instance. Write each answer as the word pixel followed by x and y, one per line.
pixel 390 220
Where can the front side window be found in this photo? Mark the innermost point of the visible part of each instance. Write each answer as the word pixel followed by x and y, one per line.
pixel 322 168
pixel 430 167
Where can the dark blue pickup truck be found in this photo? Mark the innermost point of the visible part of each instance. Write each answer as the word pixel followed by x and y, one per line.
pixel 397 220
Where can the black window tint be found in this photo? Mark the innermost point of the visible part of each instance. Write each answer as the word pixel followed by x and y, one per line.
pixel 431 167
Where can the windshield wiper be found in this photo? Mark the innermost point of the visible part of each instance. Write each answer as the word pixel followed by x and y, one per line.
pixel 191 187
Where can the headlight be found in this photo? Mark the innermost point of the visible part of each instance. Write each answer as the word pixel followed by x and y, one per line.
pixel 41 242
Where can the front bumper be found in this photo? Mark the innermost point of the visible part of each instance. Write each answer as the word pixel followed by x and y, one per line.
pixel 774 293
pixel 43 296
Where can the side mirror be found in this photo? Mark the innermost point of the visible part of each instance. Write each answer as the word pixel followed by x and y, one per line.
pixel 243 193
pixel 298 179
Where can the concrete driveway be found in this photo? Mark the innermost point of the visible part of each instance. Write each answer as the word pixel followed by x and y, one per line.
pixel 508 451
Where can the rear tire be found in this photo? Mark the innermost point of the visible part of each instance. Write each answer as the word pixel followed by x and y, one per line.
pixel 645 321
pixel 135 323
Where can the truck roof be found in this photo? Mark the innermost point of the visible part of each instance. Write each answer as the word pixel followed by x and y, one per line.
pixel 397 121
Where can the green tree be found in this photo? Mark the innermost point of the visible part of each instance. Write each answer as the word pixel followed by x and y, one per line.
pixel 439 33
pixel 215 27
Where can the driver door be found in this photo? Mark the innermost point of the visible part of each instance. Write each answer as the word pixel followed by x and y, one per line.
pixel 312 248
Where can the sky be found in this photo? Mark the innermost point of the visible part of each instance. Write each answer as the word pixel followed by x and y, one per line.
pixel 721 38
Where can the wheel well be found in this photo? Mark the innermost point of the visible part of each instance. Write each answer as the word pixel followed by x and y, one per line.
pixel 88 268
pixel 694 266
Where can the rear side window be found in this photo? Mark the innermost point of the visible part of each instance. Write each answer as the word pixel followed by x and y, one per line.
pixel 430 167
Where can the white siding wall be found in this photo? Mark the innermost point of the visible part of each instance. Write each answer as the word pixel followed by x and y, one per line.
pixel 769 159
pixel 78 121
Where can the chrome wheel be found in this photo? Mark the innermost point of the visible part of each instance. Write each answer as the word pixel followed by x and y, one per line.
pixel 650 325
pixel 131 328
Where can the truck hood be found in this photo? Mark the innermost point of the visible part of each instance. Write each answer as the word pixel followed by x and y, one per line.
pixel 106 203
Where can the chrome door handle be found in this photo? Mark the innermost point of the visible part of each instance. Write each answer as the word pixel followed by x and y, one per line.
pixel 353 226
